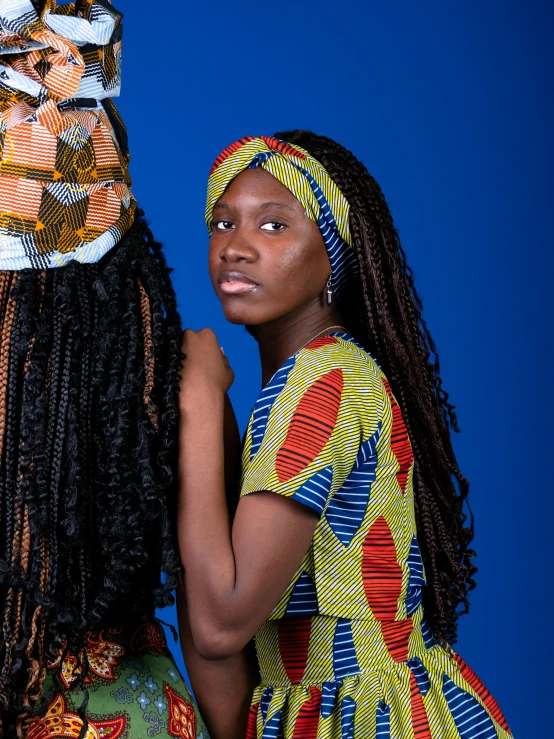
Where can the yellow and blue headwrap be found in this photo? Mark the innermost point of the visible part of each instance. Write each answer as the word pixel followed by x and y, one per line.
pixel 308 181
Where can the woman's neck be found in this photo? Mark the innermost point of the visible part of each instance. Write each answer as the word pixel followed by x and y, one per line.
pixel 280 339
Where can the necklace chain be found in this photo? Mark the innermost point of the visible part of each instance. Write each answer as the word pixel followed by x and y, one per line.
pixel 322 332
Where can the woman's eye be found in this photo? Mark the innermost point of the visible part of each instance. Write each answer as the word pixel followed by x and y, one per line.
pixel 223 225
pixel 273 226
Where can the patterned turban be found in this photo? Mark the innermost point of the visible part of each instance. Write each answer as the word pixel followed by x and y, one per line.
pixel 308 181
pixel 64 185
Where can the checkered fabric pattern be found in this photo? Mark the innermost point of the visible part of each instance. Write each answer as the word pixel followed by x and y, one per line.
pixel 64 181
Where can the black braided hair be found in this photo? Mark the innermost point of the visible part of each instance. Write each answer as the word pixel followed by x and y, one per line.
pixel 385 315
pixel 89 363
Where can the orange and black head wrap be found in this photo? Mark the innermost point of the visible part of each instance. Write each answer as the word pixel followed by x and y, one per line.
pixel 64 184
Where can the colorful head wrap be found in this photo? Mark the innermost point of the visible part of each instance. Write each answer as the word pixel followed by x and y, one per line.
pixel 64 185
pixel 308 181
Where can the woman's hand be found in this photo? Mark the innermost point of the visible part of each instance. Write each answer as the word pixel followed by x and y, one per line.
pixel 205 367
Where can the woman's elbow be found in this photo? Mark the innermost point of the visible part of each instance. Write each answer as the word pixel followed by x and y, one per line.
pixel 213 643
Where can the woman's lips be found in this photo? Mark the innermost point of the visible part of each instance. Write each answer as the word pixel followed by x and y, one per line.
pixel 233 283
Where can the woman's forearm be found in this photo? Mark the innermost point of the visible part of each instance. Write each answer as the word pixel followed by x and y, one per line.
pixel 204 527
pixel 223 688
pixel 235 575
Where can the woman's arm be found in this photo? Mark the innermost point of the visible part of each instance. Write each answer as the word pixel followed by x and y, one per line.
pixel 234 576
pixel 222 688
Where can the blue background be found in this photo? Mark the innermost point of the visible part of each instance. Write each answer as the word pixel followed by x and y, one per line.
pixel 449 106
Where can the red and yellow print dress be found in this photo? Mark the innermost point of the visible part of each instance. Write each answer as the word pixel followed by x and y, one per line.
pixel 346 653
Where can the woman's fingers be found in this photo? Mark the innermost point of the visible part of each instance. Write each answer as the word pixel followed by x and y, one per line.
pixel 205 360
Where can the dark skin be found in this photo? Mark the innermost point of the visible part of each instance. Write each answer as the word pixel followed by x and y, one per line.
pixel 222 687
pixel 260 230
pixel 269 267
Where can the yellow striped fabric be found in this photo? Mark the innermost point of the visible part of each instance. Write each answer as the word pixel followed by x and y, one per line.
pixel 346 653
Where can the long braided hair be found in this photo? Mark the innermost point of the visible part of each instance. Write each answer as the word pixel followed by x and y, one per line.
pixel 89 362
pixel 385 315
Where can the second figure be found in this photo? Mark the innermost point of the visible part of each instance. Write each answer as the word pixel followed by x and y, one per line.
pixel 348 557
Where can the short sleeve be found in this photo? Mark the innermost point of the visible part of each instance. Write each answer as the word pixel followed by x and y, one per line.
pixel 307 428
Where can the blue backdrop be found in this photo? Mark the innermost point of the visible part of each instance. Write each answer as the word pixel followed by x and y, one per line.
pixel 449 106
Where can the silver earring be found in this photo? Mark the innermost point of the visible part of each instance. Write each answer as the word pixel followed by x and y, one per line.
pixel 329 291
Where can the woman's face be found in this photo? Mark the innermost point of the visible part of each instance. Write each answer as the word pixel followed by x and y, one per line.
pixel 267 259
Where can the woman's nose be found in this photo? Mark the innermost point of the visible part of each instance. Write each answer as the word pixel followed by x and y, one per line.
pixel 238 249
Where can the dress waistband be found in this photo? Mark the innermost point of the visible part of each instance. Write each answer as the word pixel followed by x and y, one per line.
pixel 318 649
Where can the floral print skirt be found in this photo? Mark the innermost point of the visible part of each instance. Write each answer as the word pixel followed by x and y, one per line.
pixel 135 691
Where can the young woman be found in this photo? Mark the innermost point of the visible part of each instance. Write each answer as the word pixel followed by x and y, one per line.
pixel 89 361
pixel 348 557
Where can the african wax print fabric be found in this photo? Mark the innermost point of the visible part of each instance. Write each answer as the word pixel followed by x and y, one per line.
pixel 346 653
pixel 135 691
pixel 308 181
pixel 64 183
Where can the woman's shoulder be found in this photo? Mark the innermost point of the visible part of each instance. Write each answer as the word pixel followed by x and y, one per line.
pixel 332 375
pixel 339 353
pixel 334 372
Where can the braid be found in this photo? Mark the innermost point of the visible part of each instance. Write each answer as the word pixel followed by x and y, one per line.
pixel 148 356
pixel 89 362
pixel 8 317
pixel 12 494
pixel 83 421
pixel 56 474
pixel 386 316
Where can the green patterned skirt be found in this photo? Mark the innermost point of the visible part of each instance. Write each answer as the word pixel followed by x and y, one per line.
pixel 135 691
